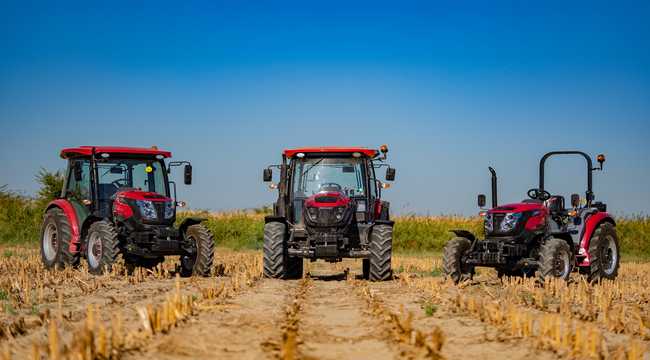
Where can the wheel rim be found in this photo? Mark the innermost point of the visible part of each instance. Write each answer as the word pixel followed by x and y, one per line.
pixel 50 240
pixel 610 255
pixel 562 264
pixel 94 250
pixel 188 261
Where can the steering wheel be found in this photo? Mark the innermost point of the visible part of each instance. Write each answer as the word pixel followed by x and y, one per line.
pixel 539 194
pixel 330 186
pixel 118 183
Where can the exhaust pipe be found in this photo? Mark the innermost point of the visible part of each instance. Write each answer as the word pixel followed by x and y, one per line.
pixel 494 187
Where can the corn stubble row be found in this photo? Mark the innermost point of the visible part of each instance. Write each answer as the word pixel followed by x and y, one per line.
pixel 97 339
pixel 573 319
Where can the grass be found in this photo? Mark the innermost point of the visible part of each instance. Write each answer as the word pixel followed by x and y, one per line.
pixel 20 221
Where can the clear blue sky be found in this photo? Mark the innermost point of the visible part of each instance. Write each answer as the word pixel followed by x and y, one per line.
pixel 451 87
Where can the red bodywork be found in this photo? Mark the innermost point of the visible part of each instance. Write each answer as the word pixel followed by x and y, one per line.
pixel 327 199
pixel 591 223
pixel 122 209
pixel 331 149
pixel 537 222
pixel 87 151
pixel 69 211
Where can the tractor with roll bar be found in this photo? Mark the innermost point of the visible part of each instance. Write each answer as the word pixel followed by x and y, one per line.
pixel 540 235
pixel 116 202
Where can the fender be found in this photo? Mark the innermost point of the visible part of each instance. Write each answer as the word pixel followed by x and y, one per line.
pixel 274 218
pixel 187 222
pixel 71 214
pixel 384 222
pixel 465 234
pixel 591 223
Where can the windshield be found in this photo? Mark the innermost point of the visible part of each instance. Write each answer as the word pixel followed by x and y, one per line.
pixel 314 175
pixel 140 174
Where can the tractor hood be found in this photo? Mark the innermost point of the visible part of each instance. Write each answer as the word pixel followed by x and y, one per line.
pixel 517 208
pixel 135 194
pixel 327 199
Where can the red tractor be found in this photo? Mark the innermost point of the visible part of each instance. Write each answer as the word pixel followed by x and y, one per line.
pixel 116 200
pixel 329 207
pixel 540 234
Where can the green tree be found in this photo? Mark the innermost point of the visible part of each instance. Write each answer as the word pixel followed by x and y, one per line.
pixel 51 184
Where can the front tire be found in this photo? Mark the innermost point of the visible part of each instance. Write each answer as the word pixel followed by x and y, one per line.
pixel 452 262
pixel 604 253
pixel 556 260
pixel 381 249
pixel 275 258
pixel 56 236
pixel 102 247
pixel 200 263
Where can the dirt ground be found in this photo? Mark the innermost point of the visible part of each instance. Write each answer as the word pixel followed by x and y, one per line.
pixel 329 314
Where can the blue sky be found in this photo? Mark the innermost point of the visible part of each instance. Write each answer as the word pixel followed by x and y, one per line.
pixel 452 87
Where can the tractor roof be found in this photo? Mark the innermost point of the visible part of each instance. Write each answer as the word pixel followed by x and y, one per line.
pixel 87 150
pixel 331 149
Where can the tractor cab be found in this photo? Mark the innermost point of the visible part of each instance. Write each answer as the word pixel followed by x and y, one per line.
pixel 329 204
pixel 119 200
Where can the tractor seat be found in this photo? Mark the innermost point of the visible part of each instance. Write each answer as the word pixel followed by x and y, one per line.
pixel 106 191
pixel 555 204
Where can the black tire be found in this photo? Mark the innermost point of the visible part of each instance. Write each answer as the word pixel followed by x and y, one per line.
pixel 365 269
pixel 556 260
pixel 604 253
pixel 57 224
pixel 294 268
pixel 275 255
pixel 452 264
pixel 102 247
pixel 381 251
pixel 200 264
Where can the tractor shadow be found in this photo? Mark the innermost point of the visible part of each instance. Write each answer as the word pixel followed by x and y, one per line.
pixel 329 277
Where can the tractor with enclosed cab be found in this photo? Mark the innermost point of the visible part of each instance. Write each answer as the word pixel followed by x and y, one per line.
pixel 540 235
pixel 117 201
pixel 329 207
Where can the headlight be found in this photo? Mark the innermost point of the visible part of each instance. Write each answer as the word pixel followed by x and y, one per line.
pixel 169 210
pixel 339 212
pixel 147 209
pixel 312 213
pixel 510 221
pixel 489 226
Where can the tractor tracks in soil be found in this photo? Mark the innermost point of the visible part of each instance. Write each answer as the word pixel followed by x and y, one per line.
pixel 236 329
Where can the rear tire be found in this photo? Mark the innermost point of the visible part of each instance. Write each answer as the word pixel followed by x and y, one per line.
pixel 275 257
pixel 452 263
pixel 56 236
pixel 604 253
pixel 200 263
pixel 102 247
pixel 381 248
pixel 556 260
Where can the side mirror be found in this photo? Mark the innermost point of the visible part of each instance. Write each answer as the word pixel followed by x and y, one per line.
pixel 601 159
pixel 575 200
pixel 76 169
pixel 390 174
pixel 188 175
pixel 481 201
pixel 267 175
